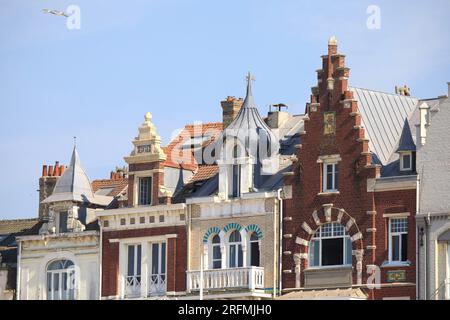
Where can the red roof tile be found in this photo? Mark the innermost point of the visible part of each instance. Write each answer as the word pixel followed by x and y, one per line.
pixel 118 185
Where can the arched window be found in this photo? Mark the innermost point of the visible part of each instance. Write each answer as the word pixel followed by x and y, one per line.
pixel 330 246
pixel 254 250
pixel 216 253
pixel 61 280
pixel 235 250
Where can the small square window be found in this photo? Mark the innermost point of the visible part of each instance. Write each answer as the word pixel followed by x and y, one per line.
pixel 106 224
pixel 142 220
pixel 152 219
pixel 122 221
pixel 182 217
pixel 406 162
pixel 161 218
pixel 132 220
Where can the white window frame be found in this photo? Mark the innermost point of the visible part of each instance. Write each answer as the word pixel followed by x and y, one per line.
pixel 334 172
pixel 402 163
pixel 250 241
pixel 319 238
pixel 160 286
pixel 70 273
pixel 236 245
pixel 211 250
pixel 131 281
pixel 399 234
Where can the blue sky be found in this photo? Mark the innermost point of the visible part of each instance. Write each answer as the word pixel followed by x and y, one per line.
pixel 178 59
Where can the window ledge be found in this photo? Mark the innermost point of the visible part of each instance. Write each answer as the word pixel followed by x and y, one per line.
pixel 328 193
pixel 395 264
pixel 326 268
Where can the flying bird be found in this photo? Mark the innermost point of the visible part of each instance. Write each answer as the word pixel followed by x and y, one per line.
pixel 55 12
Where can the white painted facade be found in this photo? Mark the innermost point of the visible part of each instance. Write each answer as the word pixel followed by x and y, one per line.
pixel 433 218
pixel 38 252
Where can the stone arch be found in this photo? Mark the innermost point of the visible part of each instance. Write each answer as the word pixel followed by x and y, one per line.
pixel 232 226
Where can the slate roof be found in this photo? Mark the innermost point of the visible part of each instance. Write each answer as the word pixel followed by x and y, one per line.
pixel 383 117
pixel 16 226
pixel 406 142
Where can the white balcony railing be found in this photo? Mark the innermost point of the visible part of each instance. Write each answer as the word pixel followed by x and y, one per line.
pixel 157 284
pixel 133 286
pixel 234 278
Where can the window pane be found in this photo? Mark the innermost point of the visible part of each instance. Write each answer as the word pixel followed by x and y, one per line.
pixel 240 256
pixel 404 247
pixel 314 252
pixel 332 252
pixel 235 236
pixel 348 253
pixel 145 190
pixel 155 258
pixel 217 264
pixel 62 222
pixel 254 257
pixel 163 257
pixel 216 239
pixel 138 262
pixel 406 161
pixel 236 178
pixel 395 248
pixel 216 252
pixel 329 180
pixel 232 256
pixel 130 260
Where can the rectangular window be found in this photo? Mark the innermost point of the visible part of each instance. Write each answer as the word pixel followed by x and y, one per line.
pixel 62 222
pixel 145 190
pixel 134 260
pixel 330 177
pixel 398 230
pixel 217 257
pixel 332 252
pixel 236 180
pixel 157 284
pixel 314 253
pixel 406 162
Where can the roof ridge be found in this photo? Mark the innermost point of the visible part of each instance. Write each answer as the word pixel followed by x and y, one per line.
pixel 388 93
pixel 19 220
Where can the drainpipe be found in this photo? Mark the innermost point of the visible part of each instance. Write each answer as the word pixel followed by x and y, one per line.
pixel 280 247
pixel 100 261
pixel 19 258
pixel 427 232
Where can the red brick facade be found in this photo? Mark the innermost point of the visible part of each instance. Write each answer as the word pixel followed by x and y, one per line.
pixel 176 257
pixel 353 201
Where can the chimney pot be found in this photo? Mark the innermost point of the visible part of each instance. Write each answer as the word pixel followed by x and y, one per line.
pixel 56 171
pixel 44 170
pixel 61 170
pixel 50 171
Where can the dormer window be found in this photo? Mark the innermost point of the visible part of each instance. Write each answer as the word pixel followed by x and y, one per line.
pixel 406 161
pixel 62 222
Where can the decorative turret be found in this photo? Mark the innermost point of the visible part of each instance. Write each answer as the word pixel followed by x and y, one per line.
pixel 147 145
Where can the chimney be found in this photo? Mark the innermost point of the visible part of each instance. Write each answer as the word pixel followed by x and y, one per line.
pixel 230 109
pixel 403 91
pixel 275 119
pixel 332 46
pixel 47 182
pixel 44 171
pixel 56 172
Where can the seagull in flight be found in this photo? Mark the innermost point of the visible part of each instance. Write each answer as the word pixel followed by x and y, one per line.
pixel 55 12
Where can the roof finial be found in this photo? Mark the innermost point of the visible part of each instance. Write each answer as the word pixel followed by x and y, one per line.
pixel 148 117
pixel 332 41
pixel 74 141
pixel 249 79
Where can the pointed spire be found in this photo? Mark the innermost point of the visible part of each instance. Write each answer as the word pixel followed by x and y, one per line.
pixel 248 101
pixel 406 142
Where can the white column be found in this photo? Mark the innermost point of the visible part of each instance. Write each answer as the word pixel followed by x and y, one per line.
pixel 122 269
pixel 144 269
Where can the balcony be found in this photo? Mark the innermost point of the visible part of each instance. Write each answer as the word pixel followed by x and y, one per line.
pixel 249 278
pixel 156 285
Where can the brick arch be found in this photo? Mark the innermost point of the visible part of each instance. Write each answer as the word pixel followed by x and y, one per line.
pixel 209 232
pixel 328 214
